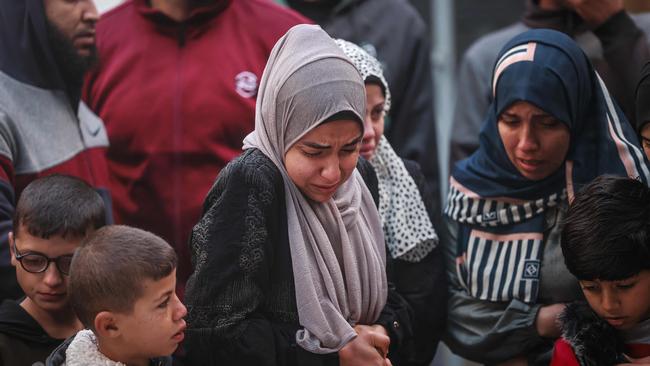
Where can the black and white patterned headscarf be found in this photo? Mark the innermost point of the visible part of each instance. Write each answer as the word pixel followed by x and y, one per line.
pixel 408 230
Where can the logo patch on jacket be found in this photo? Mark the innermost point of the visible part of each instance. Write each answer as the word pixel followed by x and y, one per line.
pixel 531 269
pixel 246 84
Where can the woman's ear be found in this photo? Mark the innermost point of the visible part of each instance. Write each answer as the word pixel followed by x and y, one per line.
pixel 106 325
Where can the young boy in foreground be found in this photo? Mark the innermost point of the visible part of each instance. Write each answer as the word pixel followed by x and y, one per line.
pixel 606 245
pixel 122 287
pixel 52 217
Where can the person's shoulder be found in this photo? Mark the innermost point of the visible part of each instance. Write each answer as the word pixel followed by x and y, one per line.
pixel 250 172
pixel 21 337
pixel 400 9
pixel 412 166
pixel 404 18
pixel 489 45
pixel 58 356
pixel 114 24
pixel 365 168
pixel 12 313
pixel 17 323
pixel 642 20
pixel 252 15
pixel 268 13
pixel 117 13
pixel 253 168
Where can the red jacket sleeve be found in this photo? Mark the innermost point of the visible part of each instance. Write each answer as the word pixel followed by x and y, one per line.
pixel 563 354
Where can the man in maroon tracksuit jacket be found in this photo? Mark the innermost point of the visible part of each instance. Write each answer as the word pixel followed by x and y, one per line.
pixel 176 87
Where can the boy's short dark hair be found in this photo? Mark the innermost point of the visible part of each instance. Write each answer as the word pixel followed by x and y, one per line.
pixel 109 269
pixel 606 233
pixel 59 205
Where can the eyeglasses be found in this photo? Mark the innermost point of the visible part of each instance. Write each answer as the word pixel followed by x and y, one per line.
pixel 38 263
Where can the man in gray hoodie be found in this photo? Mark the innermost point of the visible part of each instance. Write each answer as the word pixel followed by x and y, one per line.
pixel 45 48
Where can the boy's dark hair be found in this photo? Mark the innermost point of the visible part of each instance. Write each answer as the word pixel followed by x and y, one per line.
pixel 606 233
pixel 59 205
pixel 109 269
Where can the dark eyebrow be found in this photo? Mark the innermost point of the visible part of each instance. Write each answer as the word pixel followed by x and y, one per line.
pixel 508 114
pixel 355 141
pixel 315 145
pixel 166 294
pixel 536 115
pixel 645 138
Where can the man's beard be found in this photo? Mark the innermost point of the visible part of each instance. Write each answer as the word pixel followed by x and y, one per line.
pixel 71 64
pixel 198 3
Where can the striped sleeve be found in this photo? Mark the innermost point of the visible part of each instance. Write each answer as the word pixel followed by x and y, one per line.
pixel 8 285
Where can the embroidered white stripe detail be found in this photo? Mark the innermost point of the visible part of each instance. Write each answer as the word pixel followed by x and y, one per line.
pixel 513 58
pixel 520 270
pixel 475 261
pixel 498 273
pixel 626 150
pixel 511 270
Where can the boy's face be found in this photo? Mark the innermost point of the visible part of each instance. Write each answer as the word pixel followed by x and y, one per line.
pixel 622 303
pixel 155 327
pixel 46 290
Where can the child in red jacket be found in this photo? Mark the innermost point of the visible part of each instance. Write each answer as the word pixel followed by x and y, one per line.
pixel 606 245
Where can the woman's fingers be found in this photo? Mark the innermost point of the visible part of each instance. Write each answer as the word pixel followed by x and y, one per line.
pixel 381 342
pixel 369 348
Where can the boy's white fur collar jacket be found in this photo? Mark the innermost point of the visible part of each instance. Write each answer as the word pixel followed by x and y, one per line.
pixel 82 350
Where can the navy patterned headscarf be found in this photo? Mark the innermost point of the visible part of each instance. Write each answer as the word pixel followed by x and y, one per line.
pixel 499 211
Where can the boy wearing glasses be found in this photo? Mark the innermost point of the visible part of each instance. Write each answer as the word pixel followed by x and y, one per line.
pixel 52 217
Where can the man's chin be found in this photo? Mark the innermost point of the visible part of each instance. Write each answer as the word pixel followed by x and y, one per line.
pixel 88 55
pixel 73 59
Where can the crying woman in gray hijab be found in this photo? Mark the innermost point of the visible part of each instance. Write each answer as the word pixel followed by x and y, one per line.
pixel 289 255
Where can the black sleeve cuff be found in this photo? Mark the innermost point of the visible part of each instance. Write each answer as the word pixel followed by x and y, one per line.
pixel 304 357
pixel 396 318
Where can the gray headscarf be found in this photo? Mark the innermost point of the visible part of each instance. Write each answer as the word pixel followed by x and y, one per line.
pixel 409 233
pixel 337 247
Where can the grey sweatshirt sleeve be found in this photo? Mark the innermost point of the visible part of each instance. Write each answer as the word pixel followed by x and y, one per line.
pixel 484 331
pixel 9 288
pixel 472 102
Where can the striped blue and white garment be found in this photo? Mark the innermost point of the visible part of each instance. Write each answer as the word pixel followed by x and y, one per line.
pixel 499 212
